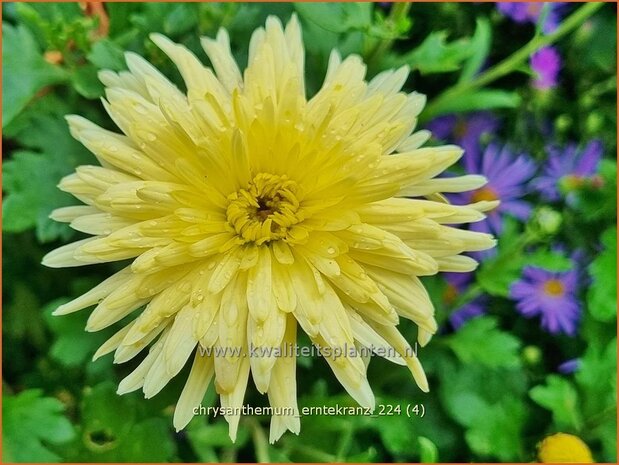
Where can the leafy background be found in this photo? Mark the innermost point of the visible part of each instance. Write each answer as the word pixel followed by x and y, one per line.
pixel 496 391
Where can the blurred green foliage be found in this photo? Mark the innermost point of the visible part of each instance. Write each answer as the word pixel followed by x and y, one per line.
pixel 491 399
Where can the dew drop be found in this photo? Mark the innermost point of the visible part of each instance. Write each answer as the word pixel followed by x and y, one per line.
pixel 331 250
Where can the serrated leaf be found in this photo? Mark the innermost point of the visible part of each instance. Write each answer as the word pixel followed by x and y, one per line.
pixel 24 71
pixel 480 43
pixel 499 432
pixel 549 260
pixel 30 180
pixel 31 422
pixel 480 341
pixel 602 294
pixel 560 397
pixel 337 16
pixel 435 54
pixel 116 430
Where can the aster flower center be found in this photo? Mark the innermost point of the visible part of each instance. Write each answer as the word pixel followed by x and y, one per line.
pixel 534 9
pixel 460 129
pixel 554 288
pixel 451 294
pixel 265 209
pixel 573 181
pixel 485 193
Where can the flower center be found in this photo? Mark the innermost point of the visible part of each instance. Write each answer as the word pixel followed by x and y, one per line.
pixel 450 295
pixel 265 209
pixel 573 181
pixel 554 288
pixel 534 9
pixel 485 193
pixel 460 129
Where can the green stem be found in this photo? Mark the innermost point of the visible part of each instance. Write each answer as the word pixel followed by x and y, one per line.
pixel 228 454
pixel 475 290
pixel 345 442
pixel 511 63
pixel 597 419
pixel 399 10
pixel 261 444
pixel 315 454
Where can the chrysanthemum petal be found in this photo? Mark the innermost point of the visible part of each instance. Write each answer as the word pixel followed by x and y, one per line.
pixel 192 394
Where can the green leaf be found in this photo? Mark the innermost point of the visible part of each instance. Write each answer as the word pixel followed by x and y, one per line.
pixel 496 275
pixel 598 200
pixel 480 43
pixel 498 433
pixel 549 260
pixel 428 450
pixel 480 341
pixel 30 178
pixel 30 423
pixel 86 82
pixel 486 99
pixel 30 181
pixel 593 376
pixel 435 55
pixel 72 345
pixel 602 294
pixel 181 19
pixel 105 54
pixel 337 16
pixel 560 397
pixel 116 430
pixel 488 403
pixel 24 71
pixel 215 435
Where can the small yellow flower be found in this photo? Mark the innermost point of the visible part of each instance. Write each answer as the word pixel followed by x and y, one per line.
pixel 248 210
pixel 564 448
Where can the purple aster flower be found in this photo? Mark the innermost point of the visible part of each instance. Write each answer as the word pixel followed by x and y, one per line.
pixel 570 366
pixel 546 64
pixel 507 175
pixel 529 12
pixel 550 295
pixel 456 285
pixel 464 130
pixel 568 166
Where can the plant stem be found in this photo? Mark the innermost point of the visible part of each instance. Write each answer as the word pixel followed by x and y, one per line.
pixel 398 11
pixel 475 290
pixel 440 104
pixel 261 444
pixel 345 442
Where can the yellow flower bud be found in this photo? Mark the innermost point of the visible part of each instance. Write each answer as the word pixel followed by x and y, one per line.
pixel 564 448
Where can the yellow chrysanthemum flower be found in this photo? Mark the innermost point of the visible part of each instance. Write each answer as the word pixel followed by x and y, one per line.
pixel 564 448
pixel 247 210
